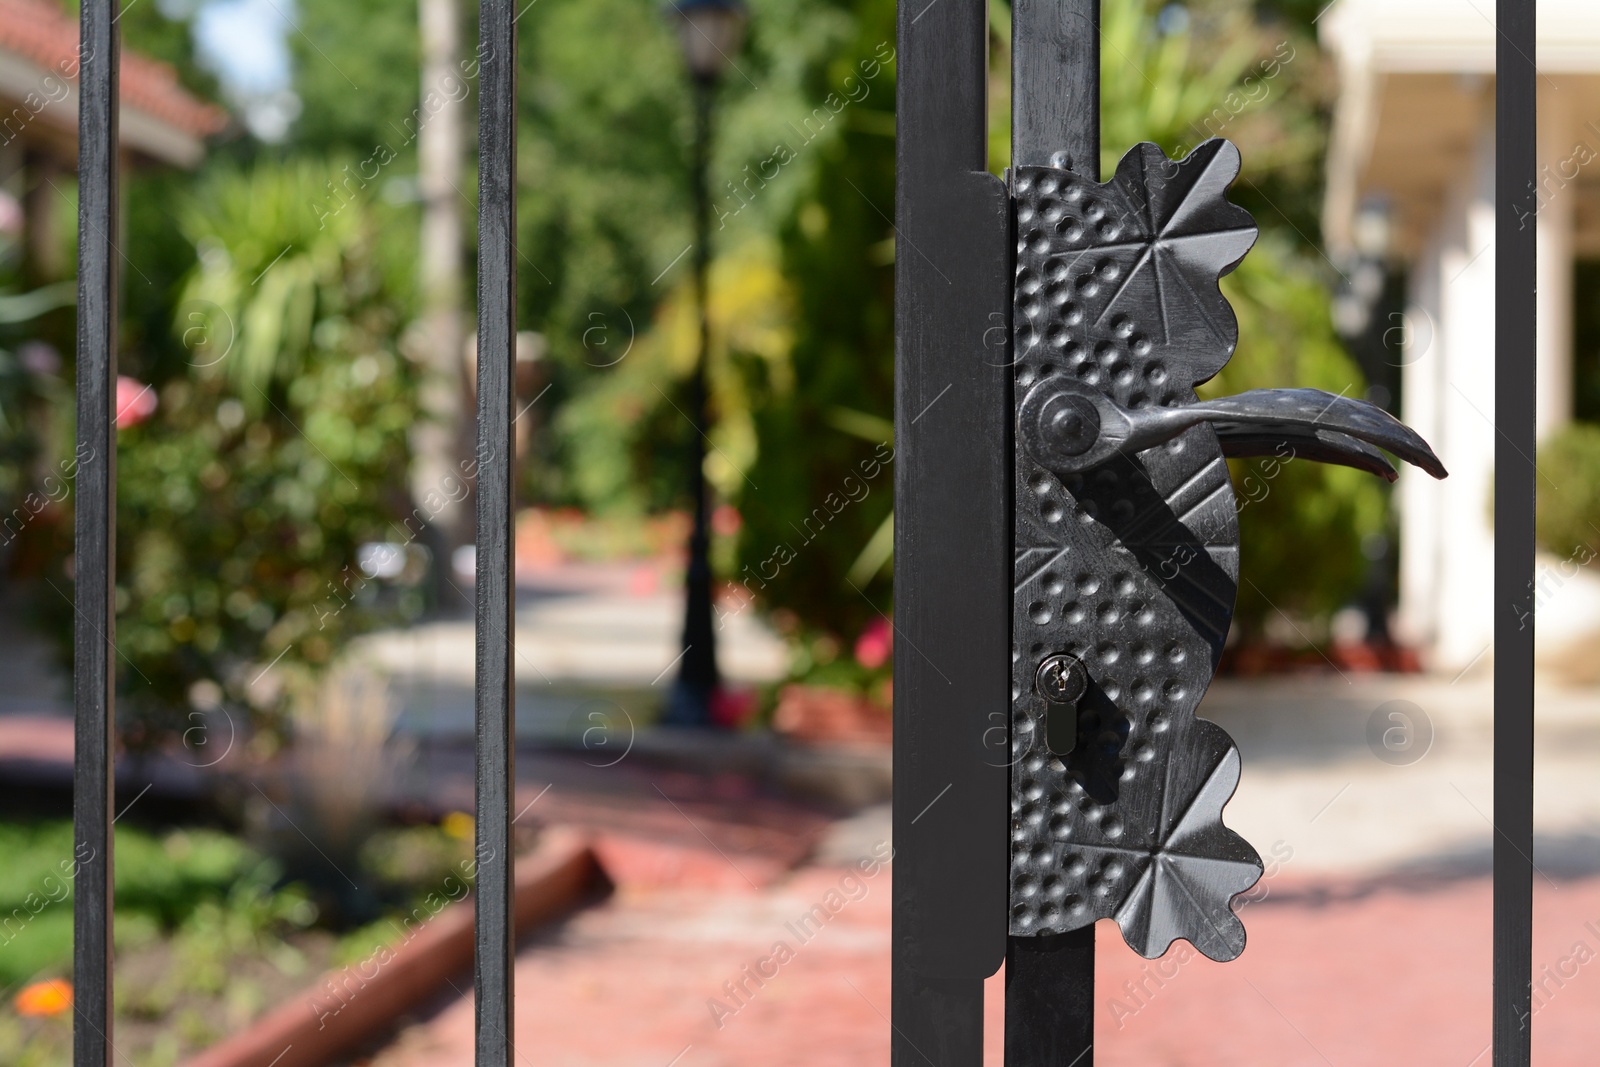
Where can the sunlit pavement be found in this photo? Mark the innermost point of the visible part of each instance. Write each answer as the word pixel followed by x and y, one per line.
pixel 1380 974
pixel 598 637
pixel 1366 774
pixel 1389 976
pixel 1369 940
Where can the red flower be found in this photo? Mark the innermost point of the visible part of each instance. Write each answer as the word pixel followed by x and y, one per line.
pixel 875 644
pixel 731 708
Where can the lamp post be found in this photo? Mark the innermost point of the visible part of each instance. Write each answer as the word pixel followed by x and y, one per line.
pixel 710 32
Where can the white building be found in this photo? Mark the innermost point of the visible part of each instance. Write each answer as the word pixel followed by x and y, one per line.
pixel 1414 132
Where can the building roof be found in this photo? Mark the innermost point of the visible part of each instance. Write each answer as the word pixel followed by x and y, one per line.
pixel 1416 100
pixel 39 40
pixel 1456 36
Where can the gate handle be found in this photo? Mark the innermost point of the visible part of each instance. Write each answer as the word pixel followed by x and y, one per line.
pixel 1071 427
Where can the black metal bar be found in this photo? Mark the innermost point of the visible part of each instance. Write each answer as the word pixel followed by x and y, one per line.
pixel 1516 125
pixel 94 541
pixel 1055 121
pixel 1055 84
pixel 496 705
pixel 952 540
pixel 1049 993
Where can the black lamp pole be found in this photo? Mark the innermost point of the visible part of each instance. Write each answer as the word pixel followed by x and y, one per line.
pixel 710 31
pixel 697 672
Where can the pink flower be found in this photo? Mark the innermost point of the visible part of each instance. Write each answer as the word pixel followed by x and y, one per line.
pixel 136 401
pixel 10 215
pixel 875 644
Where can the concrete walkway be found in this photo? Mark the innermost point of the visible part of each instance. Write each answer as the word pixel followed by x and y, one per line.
pixel 1318 777
pixel 591 639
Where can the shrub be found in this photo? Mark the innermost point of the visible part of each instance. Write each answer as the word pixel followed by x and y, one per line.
pixel 277 451
pixel 1568 503
pixel 823 462
pixel 1301 524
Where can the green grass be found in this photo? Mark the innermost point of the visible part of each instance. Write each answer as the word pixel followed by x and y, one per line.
pixel 162 882
pixel 207 936
pixel 190 904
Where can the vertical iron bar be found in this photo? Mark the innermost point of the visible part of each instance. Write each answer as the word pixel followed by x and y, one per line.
pixel 1050 998
pixel 94 538
pixel 1516 126
pixel 1055 121
pixel 1055 84
pixel 952 539
pixel 496 707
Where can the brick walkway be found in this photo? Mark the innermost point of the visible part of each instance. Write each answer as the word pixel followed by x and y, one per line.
pixel 1376 973
pixel 1348 963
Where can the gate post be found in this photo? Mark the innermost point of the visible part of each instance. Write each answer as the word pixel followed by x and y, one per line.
pixel 952 539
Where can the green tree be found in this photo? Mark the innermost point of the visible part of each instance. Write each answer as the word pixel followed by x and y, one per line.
pixel 1220 70
pixel 281 450
pixel 357 70
pixel 802 288
pixel 604 117
pixel 605 207
pixel 815 499
pixel 1171 75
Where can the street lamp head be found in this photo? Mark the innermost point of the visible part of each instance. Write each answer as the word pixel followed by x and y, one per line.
pixel 710 33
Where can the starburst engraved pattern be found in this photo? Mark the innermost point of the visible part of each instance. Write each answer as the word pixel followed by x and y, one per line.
pixel 1192 868
pixel 1131 266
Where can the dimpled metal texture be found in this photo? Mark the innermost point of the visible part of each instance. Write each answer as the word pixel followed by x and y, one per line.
pixel 1131 566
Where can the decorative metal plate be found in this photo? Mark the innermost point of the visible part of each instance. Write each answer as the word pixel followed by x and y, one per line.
pixel 1130 567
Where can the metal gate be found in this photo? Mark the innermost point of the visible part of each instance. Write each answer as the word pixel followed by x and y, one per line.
pixel 954 534
pixel 994 446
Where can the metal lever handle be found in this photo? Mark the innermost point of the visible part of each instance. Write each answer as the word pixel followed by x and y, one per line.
pixel 1070 427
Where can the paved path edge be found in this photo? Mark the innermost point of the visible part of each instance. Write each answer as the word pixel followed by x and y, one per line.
pixel 348 1005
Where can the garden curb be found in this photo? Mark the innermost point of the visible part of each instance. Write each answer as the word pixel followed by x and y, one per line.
pixel 347 1005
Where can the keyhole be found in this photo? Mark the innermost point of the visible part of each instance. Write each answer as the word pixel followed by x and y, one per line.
pixel 1061 728
pixel 1062 680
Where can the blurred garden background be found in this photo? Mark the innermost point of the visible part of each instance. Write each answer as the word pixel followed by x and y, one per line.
pixel 294 582
pixel 280 328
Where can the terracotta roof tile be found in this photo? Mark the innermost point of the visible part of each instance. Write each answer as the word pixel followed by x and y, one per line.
pixel 42 32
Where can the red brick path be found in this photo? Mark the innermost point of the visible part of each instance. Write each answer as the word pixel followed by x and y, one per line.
pixel 1385 976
